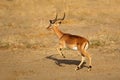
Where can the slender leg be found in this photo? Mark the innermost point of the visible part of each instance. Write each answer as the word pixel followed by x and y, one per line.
pixel 90 64
pixel 60 52
pixel 83 58
pixel 84 54
pixel 89 58
pixel 82 61
pixel 59 49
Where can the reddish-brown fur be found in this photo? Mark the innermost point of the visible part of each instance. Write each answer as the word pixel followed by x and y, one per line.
pixel 74 42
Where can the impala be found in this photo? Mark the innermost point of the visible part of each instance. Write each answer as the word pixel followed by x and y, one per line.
pixel 70 41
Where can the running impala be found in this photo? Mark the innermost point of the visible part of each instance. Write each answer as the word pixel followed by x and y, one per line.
pixel 70 41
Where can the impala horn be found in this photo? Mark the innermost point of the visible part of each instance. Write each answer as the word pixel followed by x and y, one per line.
pixel 62 18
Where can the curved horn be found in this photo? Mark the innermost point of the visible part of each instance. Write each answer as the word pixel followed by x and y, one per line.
pixel 62 18
pixel 55 18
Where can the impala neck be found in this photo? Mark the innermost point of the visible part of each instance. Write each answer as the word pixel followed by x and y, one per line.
pixel 58 32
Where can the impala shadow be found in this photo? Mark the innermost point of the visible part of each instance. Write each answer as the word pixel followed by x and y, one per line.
pixel 59 62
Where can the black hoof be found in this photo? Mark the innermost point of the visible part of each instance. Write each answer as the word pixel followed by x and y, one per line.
pixel 77 68
pixel 89 68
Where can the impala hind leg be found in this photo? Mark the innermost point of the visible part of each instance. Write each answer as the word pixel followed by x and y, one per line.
pixel 83 59
pixel 89 58
pixel 81 63
pixel 84 54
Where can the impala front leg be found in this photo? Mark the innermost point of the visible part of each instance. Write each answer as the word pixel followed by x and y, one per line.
pixel 59 49
pixel 60 52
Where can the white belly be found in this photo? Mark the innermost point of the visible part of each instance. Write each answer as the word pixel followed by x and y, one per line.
pixel 75 48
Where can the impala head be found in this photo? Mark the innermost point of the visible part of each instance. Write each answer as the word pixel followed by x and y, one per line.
pixel 55 22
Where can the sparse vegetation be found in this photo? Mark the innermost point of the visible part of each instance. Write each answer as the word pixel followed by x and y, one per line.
pixel 96 43
pixel 4 45
pixel 25 43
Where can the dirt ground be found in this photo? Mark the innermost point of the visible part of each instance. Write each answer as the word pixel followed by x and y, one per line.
pixel 28 50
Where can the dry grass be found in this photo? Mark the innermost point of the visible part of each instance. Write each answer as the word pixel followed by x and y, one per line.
pixel 24 26
pixel 25 43
pixel 105 37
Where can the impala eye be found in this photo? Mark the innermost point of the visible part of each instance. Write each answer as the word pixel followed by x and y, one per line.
pixel 60 22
